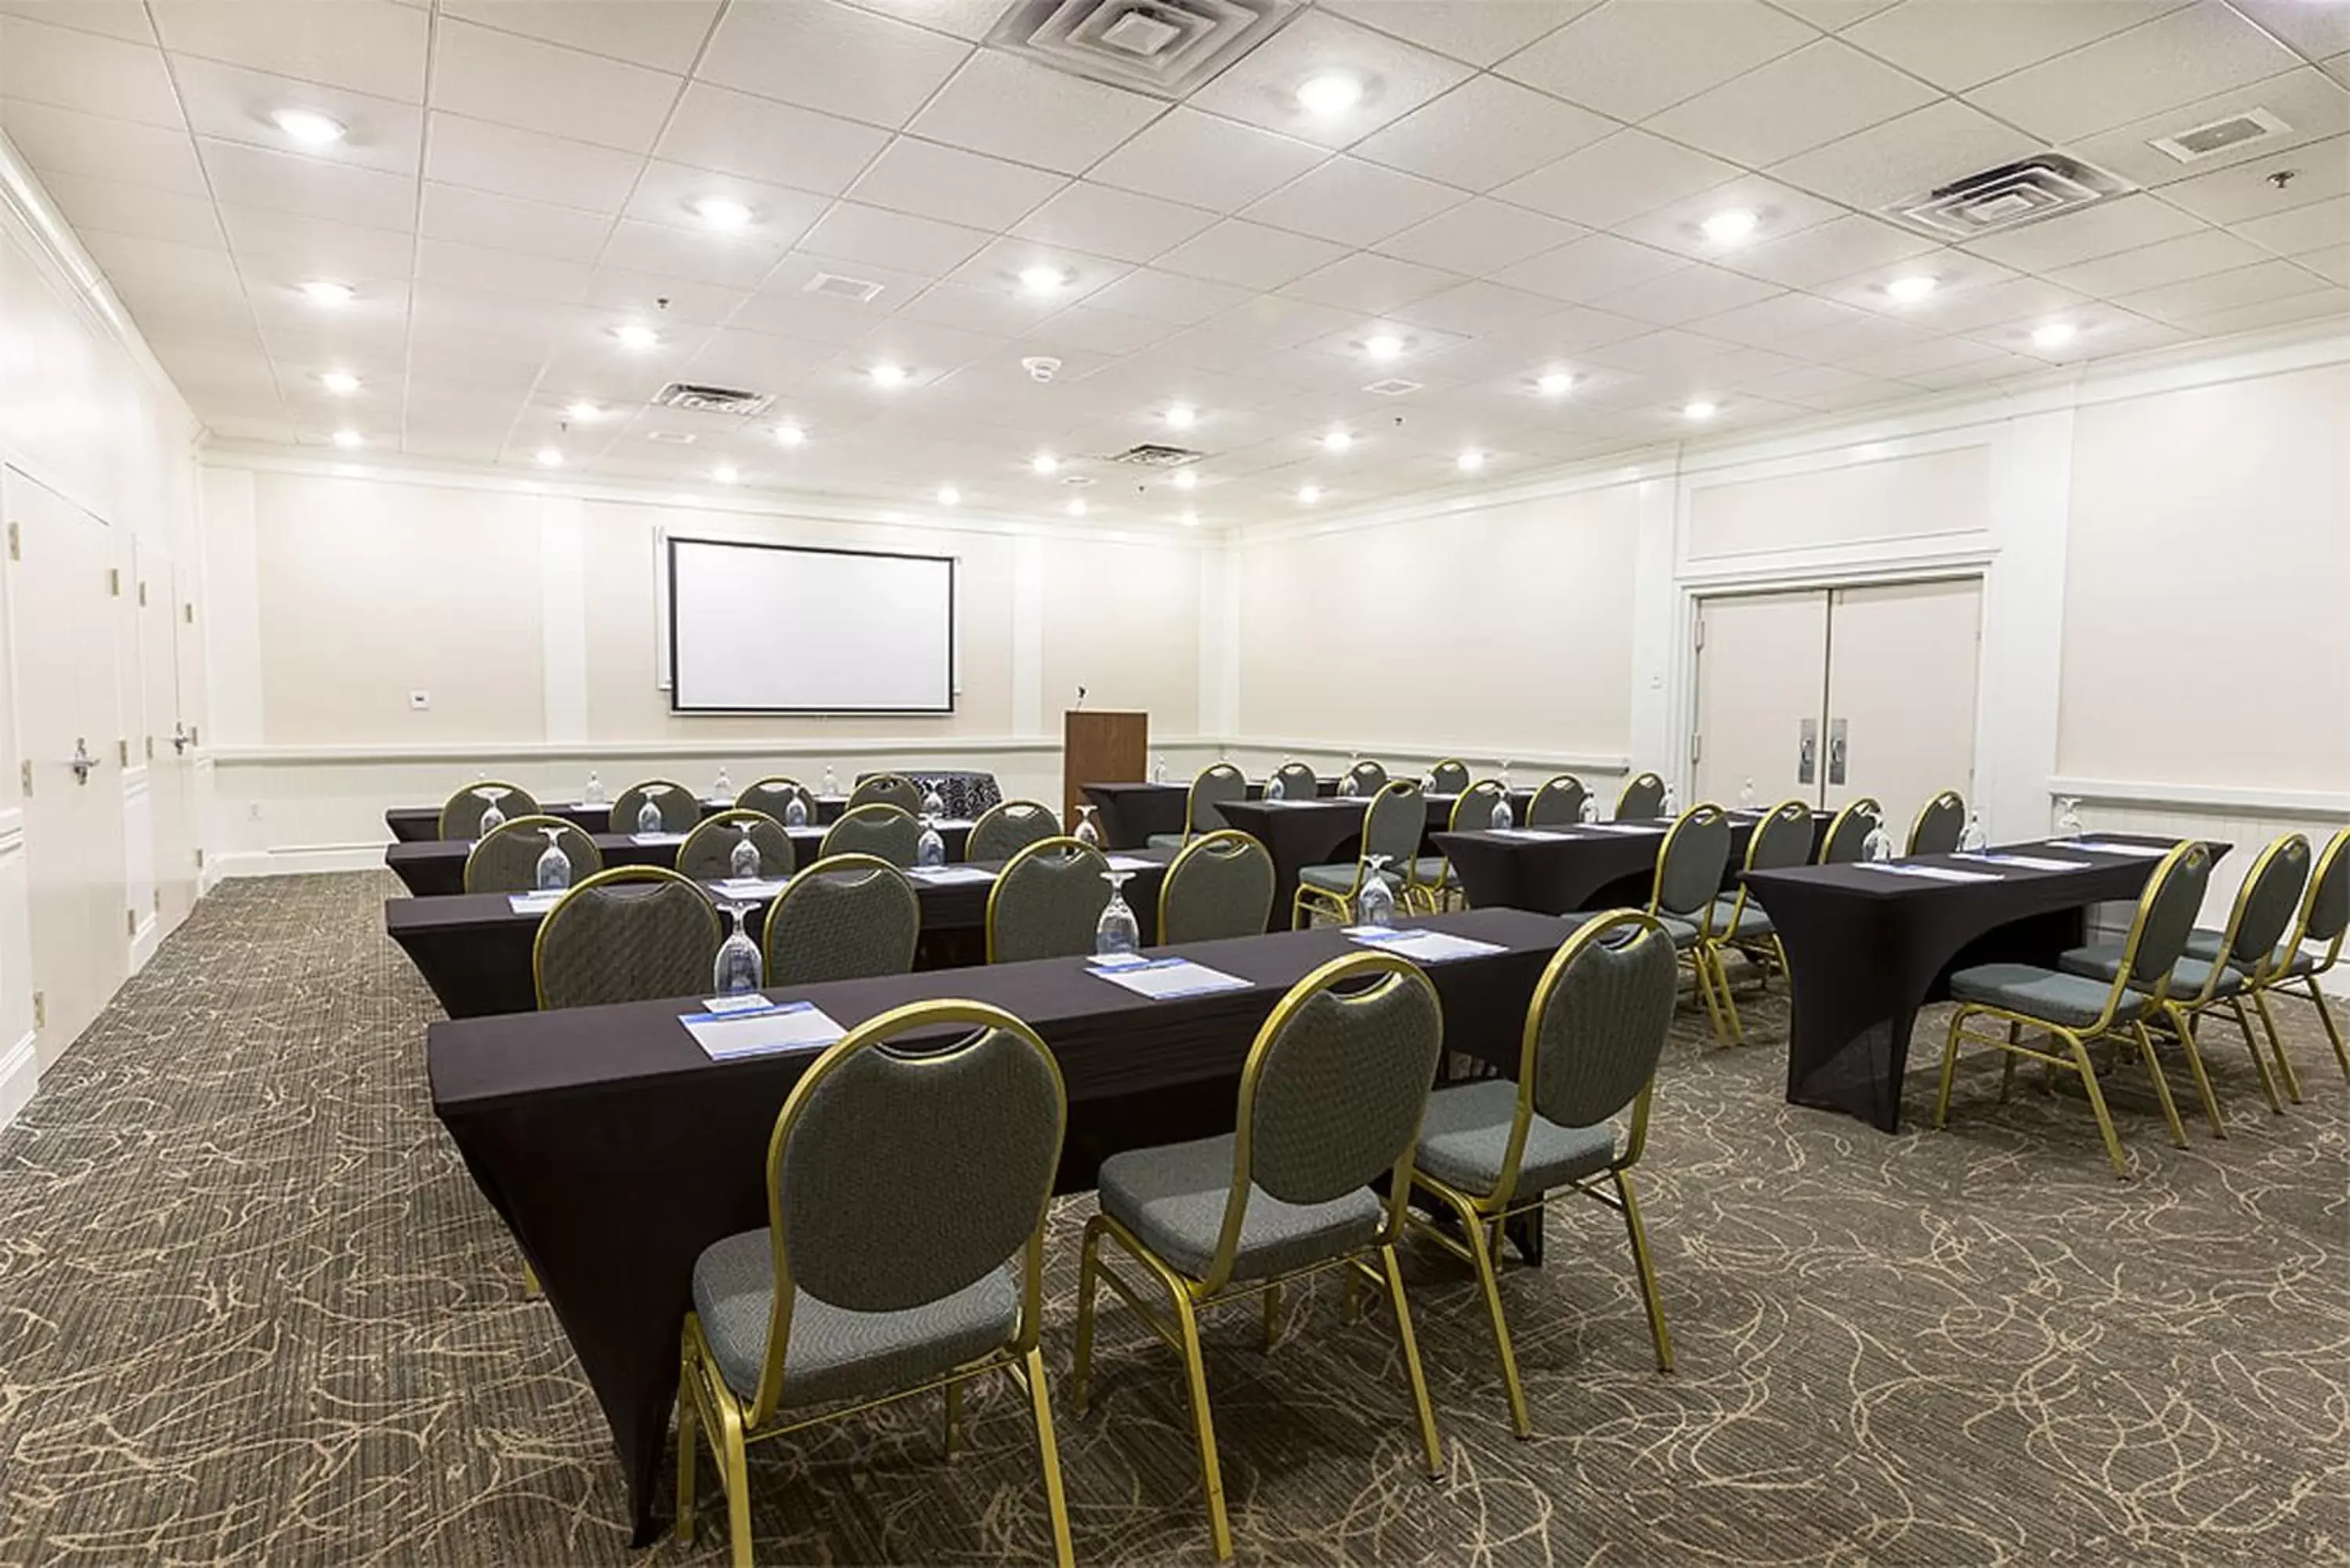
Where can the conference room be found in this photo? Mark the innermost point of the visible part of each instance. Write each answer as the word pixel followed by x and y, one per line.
pixel 900 781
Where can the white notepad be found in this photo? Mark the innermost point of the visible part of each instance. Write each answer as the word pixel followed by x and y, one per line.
pixel 1163 980
pixel 657 837
pixel 1420 947
pixel 781 1027
pixel 1532 835
pixel 1931 873
pixel 534 903
pixel 1623 827
pixel 948 876
pixel 1130 863
pixel 2108 847
pixel 2025 862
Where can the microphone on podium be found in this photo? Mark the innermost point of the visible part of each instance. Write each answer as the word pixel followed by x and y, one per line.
pixel 1081 696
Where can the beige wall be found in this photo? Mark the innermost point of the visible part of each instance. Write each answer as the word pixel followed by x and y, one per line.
pixel 1123 621
pixel 1870 498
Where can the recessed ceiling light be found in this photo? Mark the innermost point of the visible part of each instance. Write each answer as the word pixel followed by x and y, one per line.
pixel 1727 228
pixel 1336 440
pixel 1190 518
pixel 585 413
pixel 2055 334
pixel 1909 290
pixel 722 213
pixel 636 334
pixel 1182 416
pixel 886 375
pixel 1699 410
pixel 320 291
pixel 308 127
pixel 549 457
pixel 1186 480
pixel 1041 279
pixel 1331 92
pixel 1470 461
pixel 1555 384
pixel 1386 346
pixel 1074 508
pixel 949 495
pixel 725 474
pixel 1043 463
pixel 790 435
pixel 348 439
pixel 342 383
pixel 1309 493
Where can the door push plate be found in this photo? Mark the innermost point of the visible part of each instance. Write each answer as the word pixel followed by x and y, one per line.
pixel 1835 750
pixel 1808 753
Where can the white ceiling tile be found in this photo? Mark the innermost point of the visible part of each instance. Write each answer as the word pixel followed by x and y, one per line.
pixel 663 34
pixel 367 46
pixel 1921 358
pixel 1767 323
pixel 493 76
pixel 1261 88
pixel 1248 255
pixel 123 19
pixel 1370 283
pixel 1619 177
pixel 2338 68
pixel 1834 249
pixel 1814 386
pixel 2123 224
pixel 67 142
pixel 757 360
pixel 1483 134
pixel 1779 211
pixel 1478 307
pixel 2316 30
pixel 2151 267
pixel 832 58
pixel 506 223
pixel 1063 122
pixel 2232 290
pixel 666 193
pixel 857 232
pixel 1630 58
pixel 1353 202
pixel 1001 313
pixel 1589 267
pixel 946 183
pixel 131 259
pixel 515 163
pixel 138 209
pixel 673 305
pixel 1860 333
pixel 253 177
pixel 2233 196
pixel 502 271
pixel 2321 225
pixel 1085 329
pixel 1907 156
pixel 1000 265
pixel 968 19
pixel 1167 297
pixel 2332 305
pixel 1819 93
pixel 690 255
pixel 736 133
pixel 321 248
pixel 1480 34
pixel 1960 44
pixel 1686 295
pixel 1479 237
pixel 2311 104
pixel 1833 15
pixel 2332 264
pixel 1207 163
pixel 1109 222
pixel 1957 275
pixel 2188 54
pixel 785 307
pixel 70 69
pixel 234 104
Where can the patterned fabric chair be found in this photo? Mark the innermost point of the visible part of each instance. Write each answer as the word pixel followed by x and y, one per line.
pixel 775 797
pixel 1202 814
pixel 1367 776
pixel 1736 923
pixel 846 917
pixel 1557 804
pixel 507 860
pixel 1492 1149
pixel 1433 881
pixel 679 806
pixel 964 793
pixel 461 815
pixel 1847 835
pixel 2073 1010
pixel 1690 864
pixel 1393 821
pixel 877 829
pixel 1643 797
pixel 887 789
pixel 1047 902
pixel 634 933
pixel 1941 823
pixel 1449 776
pixel 1330 1099
pixel 1007 827
pixel 1220 885
pixel 1298 781
pixel 708 853
pixel 2293 970
pixel 872 1290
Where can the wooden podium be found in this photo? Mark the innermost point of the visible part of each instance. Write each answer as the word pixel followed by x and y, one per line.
pixel 1100 746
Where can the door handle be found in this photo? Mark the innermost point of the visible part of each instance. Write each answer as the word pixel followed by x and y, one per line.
pixel 82 762
pixel 1808 752
pixel 1835 750
pixel 180 737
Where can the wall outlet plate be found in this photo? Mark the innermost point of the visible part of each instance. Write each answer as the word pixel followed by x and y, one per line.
pixel 418 702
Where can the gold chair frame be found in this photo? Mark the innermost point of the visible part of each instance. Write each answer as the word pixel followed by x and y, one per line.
pixel 611 876
pixel 1917 822
pixel 1706 970
pixel 2272 976
pixel 2179 1014
pixel 1437 895
pixel 1442 764
pixel 1859 805
pixel 1544 788
pixel 1635 782
pixel 1191 797
pixel 1752 949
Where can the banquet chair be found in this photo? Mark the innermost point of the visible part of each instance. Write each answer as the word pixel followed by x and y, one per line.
pixel 1393 821
pixel 1737 924
pixel 2264 908
pixel 1847 833
pixel 887 789
pixel 1494 1149
pixel 1690 864
pixel 874 828
pixel 1941 823
pixel 775 797
pixel 1643 797
pixel 1370 778
pixel 1007 827
pixel 2325 913
pixel 1298 781
pixel 1449 776
pixel 679 806
pixel 2074 1011
pixel 862 1291
pixel 708 853
pixel 631 934
pixel 1047 902
pixel 1287 1193
pixel 1432 880
pixel 1215 785
pixel 845 916
pixel 461 815
pixel 1218 885
pixel 1557 804
pixel 507 860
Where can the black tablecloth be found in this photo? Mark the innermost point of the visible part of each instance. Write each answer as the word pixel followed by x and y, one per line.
pixel 1588 868
pixel 437 868
pixel 421 823
pixel 1323 832
pixel 616 1151
pixel 1867 948
pixel 475 951
pixel 1131 812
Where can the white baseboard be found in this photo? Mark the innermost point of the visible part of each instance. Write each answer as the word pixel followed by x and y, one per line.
pixel 144 941
pixel 20 1074
pixel 298 861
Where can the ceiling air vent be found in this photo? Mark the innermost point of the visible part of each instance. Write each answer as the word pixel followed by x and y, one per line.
pixel 674 438
pixel 2045 185
pixel 703 400
pixel 854 289
pixel 1394 386
pixel 1151 454
pixel 2219 136
pixel 1163 46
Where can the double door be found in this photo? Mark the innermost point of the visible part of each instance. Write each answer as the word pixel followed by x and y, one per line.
pixel 1825 695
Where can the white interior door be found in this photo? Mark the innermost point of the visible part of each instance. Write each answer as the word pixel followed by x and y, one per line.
pixel 1902 666
pixel 151 741
pixel 1762 681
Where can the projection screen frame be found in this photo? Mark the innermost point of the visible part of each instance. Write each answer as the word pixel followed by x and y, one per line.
pixel 954 685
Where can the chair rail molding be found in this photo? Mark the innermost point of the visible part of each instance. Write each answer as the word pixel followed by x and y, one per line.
pixel 2247 800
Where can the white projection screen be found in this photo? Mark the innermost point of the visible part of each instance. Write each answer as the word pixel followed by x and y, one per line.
pixel 787 628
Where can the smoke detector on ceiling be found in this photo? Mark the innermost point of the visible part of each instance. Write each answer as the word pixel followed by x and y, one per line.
pixel 703 399
pixel 2219 136
pixel 1163 46
pixel 2030 190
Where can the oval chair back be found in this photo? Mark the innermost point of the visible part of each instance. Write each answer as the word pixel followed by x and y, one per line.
pixel 775 797
pixel 896 1178
pixel 2164 920
pixel 1218 885
pixel 1781 839
pixel 1047 902
pixel 461 813
pixel 634 933
pixel 2264 908
pixel 887 789
pixel 1217 784
pixel 1690 865
pixel 2326 912
pixel 846 917
pixel 1394 820
pixel 1298 781
pixel 1941 822
pixel 679 808
pixel 876 829
pixel 1370 778
pixel 1557 804
pixel 1007 827
pixel 507 860
pixel 1449 776
pixel 1643 796
pixel 1473 807
pixel 708 853
pixel 1847 833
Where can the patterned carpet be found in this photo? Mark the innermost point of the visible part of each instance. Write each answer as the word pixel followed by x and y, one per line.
pixel 253 1311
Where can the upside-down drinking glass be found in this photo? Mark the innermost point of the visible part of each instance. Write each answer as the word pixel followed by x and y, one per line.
pixel 930 849
pixel 1118 932
pixel 1974 840
pixel 1346 780
pixel 1374 905
pixel 1503 815
pixel 1274 788
pixel 743 861
pixel 1590 808
pixel 796 811
pixel 648 814
pixel 1087 833
pixel 553 865
pixel 1878 845
pixel 1668 803
pixel 933 804
pixel 738 970
pixel 2068 816
pixel 492 817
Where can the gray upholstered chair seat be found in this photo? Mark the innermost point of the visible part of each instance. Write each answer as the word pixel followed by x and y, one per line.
pixel 2103 960
pixel 1466 1132
pixel 1683 932
pixel 1172 1198
pixel 837 1353
pixel 1751 921
pixel 2071 999
pixel 1340 878
pixel 1430 869
pixel 1167 841
pixel 2206 945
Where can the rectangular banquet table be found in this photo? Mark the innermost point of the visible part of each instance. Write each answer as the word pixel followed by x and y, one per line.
pixel 616 1151
pixel 1131 811
pixel 436 868
pixel 1588 867
pixel 1323 832
pixel 475 949
pixel 421 823
pixel 1866 950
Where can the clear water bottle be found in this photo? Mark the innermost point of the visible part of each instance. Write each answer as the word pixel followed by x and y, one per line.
pixel 595 796
pixel 1376 904
pixel 1274 788
pixel 724 788
pixel 649 814
pixel 738 972
pixel 553 865
pixel 2068 816
pixel 1504 779
pixel 1589 811
pixel 1878 845
pixel 1503 815
pixel 1158 769
pixel 1973 841
pixel 1118 932
pixel 743 861
pixel 796 811
pixel 1669 805
pixel 492 817
pixel 1346 780
pixel 932 804
pixel 831 781
pixel 1746 793
pixel 930 850
pixel 1087 833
